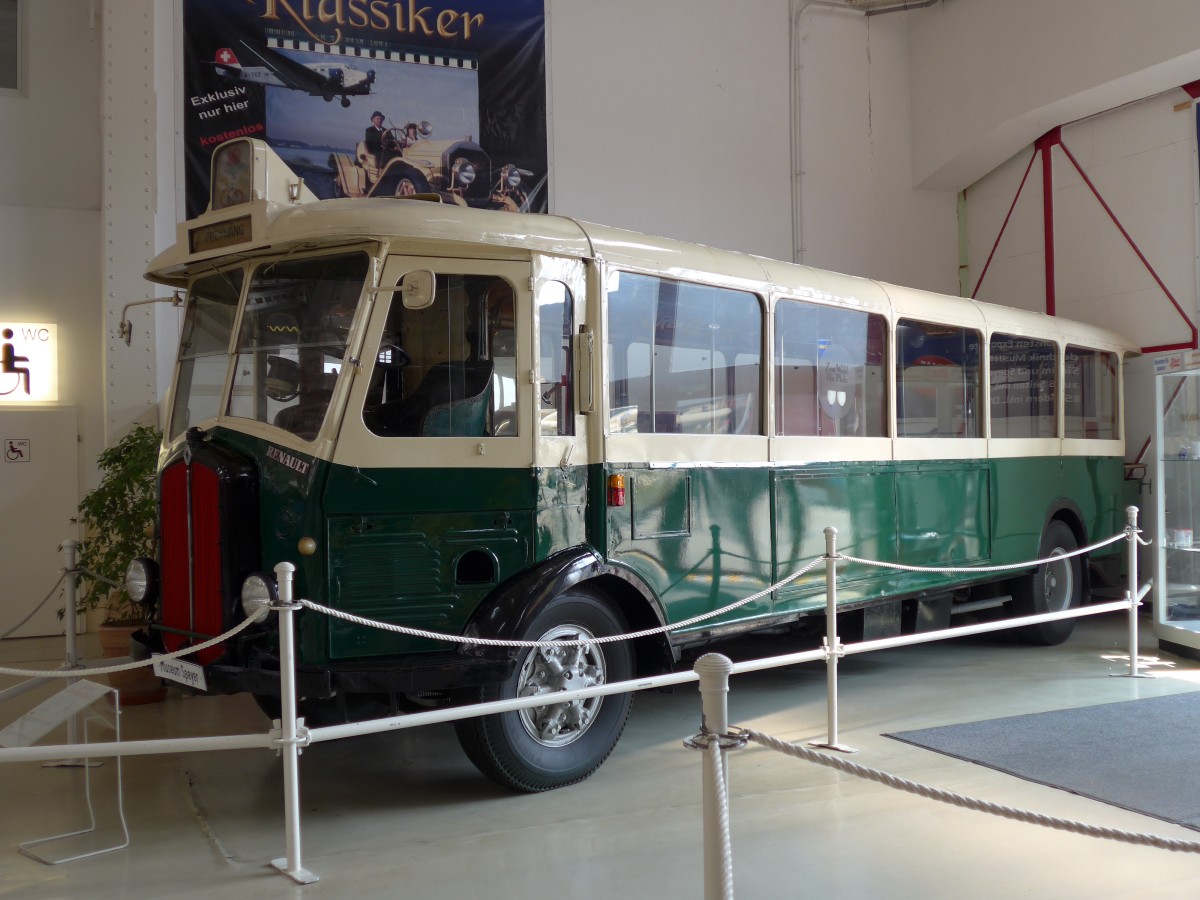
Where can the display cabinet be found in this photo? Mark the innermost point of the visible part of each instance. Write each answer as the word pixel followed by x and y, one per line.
pixel 1177 524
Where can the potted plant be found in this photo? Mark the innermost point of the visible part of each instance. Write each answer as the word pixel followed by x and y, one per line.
pixel 118 524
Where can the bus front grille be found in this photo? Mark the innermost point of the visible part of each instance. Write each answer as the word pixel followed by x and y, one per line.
pixel 209 544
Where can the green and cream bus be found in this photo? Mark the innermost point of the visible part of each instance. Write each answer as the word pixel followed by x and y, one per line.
pixel 483 423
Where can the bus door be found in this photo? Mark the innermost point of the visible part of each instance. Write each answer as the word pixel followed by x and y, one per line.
pixel 428 502
pixel 559 426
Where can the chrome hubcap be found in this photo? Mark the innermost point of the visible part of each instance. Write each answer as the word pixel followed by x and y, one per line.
pixel 547 670
pixel 1058 583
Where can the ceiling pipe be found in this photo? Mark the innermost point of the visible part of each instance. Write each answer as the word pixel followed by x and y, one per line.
pixel 796 9
pixel 902 7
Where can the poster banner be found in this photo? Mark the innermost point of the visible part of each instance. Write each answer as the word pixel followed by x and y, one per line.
pixel 368 98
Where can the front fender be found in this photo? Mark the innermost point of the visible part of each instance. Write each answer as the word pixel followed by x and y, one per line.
pixel 508 610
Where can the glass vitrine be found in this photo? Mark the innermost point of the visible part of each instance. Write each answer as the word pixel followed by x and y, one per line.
pixel 1177 527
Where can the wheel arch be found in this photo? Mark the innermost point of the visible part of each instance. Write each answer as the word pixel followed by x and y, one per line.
pixel 511 606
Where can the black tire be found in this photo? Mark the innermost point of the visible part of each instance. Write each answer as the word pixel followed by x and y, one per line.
pixel 1052 587
pixel 555 745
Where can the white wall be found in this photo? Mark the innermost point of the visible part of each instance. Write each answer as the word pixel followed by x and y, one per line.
pixel 989 77
pixel 1141 158
pixel 857 209
pixel 135 155
pixel 50 220
pixel 50 137
pixel 677 119
pixel 671 119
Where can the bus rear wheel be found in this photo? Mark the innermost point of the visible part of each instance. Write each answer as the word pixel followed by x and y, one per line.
pixel 545 747
pixel 1051 587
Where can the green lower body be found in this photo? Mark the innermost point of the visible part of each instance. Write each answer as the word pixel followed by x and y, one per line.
pixel 431 548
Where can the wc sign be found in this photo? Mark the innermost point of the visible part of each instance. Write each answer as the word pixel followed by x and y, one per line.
pixel 28 362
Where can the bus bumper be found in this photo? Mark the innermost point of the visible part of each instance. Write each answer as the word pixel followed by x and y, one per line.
pixel 258 672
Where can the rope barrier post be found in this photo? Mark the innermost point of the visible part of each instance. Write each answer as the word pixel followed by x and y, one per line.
pixel 1131 592
pixel 69 623
pixel 289 730
pixel 833 647
pixel 714 670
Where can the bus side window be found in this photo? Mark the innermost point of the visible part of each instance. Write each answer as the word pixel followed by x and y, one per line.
pixel 829 375
pixel 937 380
pixel 555 308
pixel 1023 388
pixel 1090 394
pixel 684 358
pixel 447 370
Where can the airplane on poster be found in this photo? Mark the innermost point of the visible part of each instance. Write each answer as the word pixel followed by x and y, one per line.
pixel 272 68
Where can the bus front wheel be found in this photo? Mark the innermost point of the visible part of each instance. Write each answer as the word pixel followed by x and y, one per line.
pixel 1051 587
pixel 544 747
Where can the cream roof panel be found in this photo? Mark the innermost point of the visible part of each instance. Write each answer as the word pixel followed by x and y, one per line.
pixel 803 282
pixel 436 228
pixel 427 227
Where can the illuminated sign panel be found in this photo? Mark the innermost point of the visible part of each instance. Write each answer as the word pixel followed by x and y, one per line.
pixel 28 362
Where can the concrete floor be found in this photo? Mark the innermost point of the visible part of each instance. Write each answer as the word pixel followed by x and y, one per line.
pixel 405 814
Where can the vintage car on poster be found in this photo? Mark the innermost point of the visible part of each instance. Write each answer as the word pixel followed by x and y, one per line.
pixel 409 162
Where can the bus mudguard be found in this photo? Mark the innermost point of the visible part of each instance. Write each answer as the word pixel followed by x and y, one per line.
pixel 522 598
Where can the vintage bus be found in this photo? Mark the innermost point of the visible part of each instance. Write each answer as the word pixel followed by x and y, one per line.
pixel 483 423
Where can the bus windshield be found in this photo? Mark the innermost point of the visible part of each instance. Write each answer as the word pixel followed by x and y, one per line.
pixel 289 347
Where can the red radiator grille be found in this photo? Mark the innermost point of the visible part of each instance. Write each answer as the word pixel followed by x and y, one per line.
pixel 192 601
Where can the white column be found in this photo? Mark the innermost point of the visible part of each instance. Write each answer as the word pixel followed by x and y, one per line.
pixel 140 174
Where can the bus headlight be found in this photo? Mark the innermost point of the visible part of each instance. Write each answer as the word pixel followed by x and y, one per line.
pixel 141 581
pixel 259 594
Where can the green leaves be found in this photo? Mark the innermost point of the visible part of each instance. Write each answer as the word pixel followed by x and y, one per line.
pixel 118 520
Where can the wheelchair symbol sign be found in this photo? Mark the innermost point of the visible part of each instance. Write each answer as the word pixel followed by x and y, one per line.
pixel 28 363
pixel 16 449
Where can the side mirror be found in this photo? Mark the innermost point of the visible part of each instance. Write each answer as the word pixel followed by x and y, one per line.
pixel 417 289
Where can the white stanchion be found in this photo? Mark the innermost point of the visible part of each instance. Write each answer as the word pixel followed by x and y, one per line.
pixel 833 647
pixel 1131 592
pixel 713 671
pixel 70 623
pixel 290 737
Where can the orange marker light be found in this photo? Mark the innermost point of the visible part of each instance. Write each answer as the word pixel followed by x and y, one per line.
pixel 616 490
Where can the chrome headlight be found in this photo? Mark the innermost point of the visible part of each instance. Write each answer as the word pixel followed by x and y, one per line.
pixel 141 580
pixel 513 178
pixel 466 174
pixel 259 594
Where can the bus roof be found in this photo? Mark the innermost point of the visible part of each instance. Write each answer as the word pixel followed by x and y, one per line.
pixel 261 226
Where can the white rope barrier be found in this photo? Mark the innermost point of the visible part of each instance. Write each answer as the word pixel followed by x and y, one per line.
pixel 726 848
pixel 33 612
pixel 291 734
pixel 1120 536
pixel 471 640
pixel 943 796
pixel 137 664
pixel 503 642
